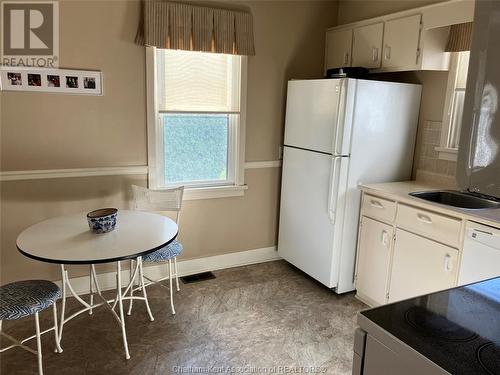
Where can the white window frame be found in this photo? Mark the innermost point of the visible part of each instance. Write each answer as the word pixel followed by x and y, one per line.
pixel 445 151
pixel 236 157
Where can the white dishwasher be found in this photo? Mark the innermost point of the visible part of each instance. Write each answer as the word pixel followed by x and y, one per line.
pixel 481 254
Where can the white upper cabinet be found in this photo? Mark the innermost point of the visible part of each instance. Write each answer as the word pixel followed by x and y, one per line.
pixel 401 43
pixel 367 45
pixel 413 39
pixel 338 49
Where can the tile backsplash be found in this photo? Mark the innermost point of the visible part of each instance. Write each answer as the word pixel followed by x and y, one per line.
pixel 428 158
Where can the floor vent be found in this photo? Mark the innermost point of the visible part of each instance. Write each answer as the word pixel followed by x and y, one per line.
pixel 196 278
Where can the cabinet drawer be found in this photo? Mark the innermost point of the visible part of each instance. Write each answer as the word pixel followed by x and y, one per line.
pixel 430 224
pixel 378 208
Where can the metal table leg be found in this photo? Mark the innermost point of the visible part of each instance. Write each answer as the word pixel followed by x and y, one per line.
pixel 121 295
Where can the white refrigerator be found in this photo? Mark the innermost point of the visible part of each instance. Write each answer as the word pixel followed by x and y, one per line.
pixel 339 133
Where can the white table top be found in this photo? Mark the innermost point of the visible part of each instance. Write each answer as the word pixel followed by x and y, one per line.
pixel 68 240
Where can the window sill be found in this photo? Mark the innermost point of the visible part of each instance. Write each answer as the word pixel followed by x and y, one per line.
pixel 445 153
pixel 214 192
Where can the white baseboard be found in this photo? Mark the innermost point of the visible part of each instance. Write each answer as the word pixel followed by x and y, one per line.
pixel 107 280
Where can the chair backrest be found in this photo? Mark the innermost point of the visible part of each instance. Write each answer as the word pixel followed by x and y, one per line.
pixel 158 200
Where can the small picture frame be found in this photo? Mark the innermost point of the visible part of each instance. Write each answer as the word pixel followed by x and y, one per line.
pixel 66 81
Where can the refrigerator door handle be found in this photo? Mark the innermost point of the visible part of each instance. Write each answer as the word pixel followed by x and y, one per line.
pixel 339 123
pixel 333 189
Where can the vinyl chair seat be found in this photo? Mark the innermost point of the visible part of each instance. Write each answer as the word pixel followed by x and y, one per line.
pixel 24 298
pixel 170 251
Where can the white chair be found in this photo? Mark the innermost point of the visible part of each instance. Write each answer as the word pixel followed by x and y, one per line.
pixel 161 201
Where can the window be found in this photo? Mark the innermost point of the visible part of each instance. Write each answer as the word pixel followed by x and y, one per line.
pixel 196 121
pixel 454 105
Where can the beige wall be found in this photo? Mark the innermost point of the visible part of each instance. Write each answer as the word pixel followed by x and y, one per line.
pixel 47 131
pixel 433 82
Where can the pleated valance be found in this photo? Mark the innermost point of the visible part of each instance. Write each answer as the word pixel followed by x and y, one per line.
pixel 173 25
pixel 460 37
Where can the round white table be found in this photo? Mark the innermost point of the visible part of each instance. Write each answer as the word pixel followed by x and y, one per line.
pixel 67 240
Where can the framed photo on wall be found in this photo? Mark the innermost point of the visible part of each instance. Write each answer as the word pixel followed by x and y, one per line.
pixel 66 81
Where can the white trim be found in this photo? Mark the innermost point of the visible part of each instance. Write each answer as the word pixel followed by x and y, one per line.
pixel 236 144
pixel 445 153
pixel 75 172
pixel 263 164
pixel 241 144
pixel 450 87
pixel 200 112
pixel 151 117
pixel 38 174
pixel 214 192
pixel 107 280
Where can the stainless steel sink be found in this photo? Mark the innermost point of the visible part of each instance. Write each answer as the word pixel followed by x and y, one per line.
pixel 456 199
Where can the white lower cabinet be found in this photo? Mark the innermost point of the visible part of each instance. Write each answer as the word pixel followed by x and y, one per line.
pixel 374 257
pixel 420 266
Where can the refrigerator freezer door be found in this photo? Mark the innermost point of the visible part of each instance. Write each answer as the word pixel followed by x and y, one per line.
pixel 478 167
pixel 311 114
pixel 306 235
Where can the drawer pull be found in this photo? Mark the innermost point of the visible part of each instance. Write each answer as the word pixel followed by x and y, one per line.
pixel 424 218
pixel 376 204
pixel 447 263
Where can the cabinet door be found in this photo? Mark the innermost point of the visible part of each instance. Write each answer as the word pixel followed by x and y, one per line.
pixel 374 254
pixel 338 48
pixel 367 46
pixel 420 266
pixel 401 43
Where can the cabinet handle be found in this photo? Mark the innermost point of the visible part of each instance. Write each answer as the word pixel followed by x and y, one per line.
pixel 424 218
pixel 376 204
pixel 447 263
pixel 374 53
pixel 387 52
pixel 346 58
pixel 385 238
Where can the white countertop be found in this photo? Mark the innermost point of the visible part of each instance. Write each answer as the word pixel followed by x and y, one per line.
pixel 398 191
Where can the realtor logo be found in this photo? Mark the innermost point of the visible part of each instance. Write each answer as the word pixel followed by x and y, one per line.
pixel 30 33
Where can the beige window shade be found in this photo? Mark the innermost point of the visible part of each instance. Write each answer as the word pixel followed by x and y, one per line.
pixel 171 25
pixel 460 37
pixel 197 82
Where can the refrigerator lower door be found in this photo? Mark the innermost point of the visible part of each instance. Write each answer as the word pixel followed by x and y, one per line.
pixel 308 212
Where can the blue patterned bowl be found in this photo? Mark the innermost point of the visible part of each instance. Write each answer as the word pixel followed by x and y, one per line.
pixel 102 220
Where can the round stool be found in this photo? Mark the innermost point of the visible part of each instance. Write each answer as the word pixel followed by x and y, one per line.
pixel 25 298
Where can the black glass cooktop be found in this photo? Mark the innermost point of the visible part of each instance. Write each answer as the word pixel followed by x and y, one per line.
pixel 458 329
